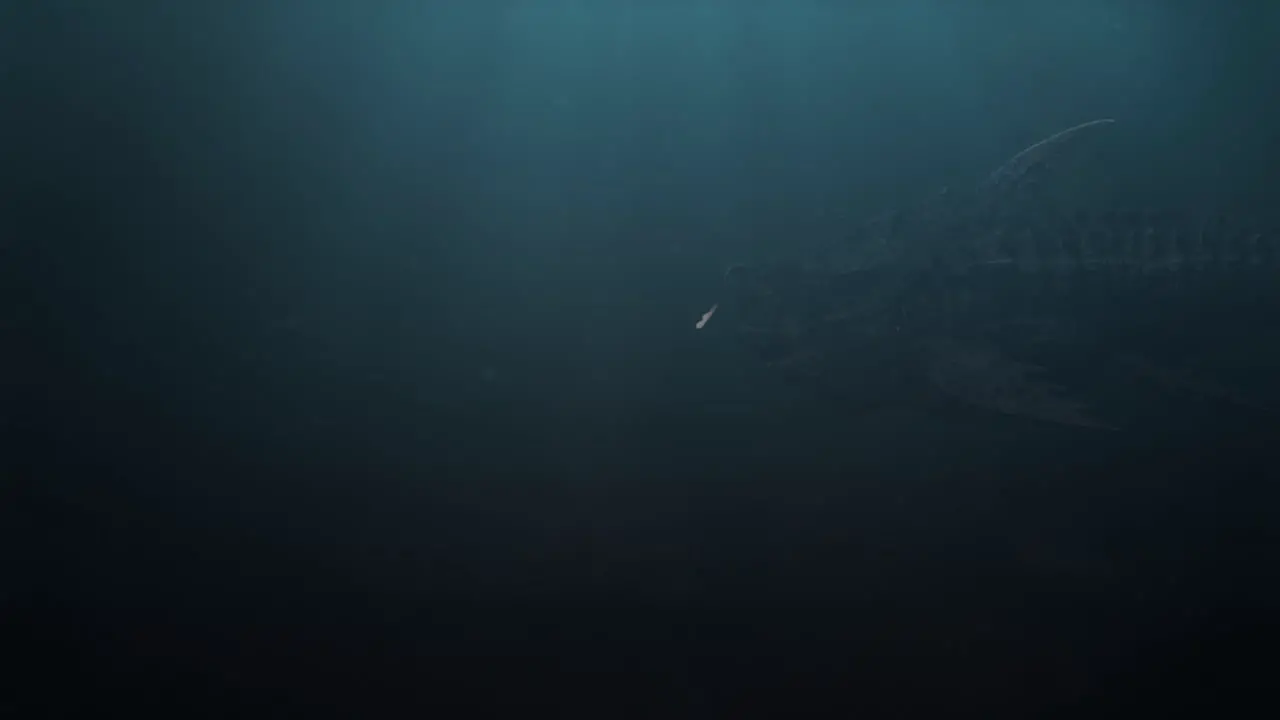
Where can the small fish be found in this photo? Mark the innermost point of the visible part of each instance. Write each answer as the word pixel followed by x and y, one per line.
pixel 706 316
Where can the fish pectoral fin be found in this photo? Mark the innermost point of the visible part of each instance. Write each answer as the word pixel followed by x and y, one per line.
pixel 1188 381
pixel 985 378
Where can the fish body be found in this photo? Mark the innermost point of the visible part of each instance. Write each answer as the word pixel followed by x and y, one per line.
pixel 983 297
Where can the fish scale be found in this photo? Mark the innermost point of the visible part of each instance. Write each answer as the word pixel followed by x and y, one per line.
pixel 1150 244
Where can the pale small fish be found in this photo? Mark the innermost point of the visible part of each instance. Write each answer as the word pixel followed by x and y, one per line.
pixel 706 316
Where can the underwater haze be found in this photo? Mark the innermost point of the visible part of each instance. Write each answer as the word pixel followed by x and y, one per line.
pixel 354 369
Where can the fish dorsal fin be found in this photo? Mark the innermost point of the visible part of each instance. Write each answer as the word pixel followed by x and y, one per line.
pixel 946 222
pixel 1014 196
pixel 1018 167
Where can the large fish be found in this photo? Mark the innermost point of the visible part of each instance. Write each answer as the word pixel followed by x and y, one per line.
pixel 992 295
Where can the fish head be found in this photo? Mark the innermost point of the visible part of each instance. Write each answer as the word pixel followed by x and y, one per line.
pixel 789 316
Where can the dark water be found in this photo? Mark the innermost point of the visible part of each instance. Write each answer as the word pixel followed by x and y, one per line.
pixel 352 368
